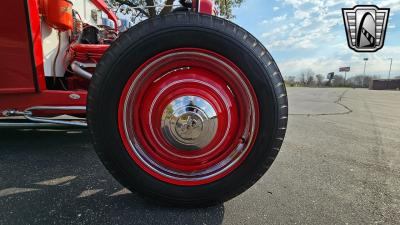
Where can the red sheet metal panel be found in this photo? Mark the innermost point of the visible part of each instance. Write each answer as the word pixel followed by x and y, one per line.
pixel 16 63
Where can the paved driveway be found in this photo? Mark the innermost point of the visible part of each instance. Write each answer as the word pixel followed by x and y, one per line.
pixel 340 164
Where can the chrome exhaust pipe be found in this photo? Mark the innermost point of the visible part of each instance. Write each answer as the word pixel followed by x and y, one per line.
pixel 43 121
pixel 80 122
pixel 78 68
pixel 26 125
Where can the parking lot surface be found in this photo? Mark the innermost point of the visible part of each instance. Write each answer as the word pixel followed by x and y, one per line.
pixel 340 164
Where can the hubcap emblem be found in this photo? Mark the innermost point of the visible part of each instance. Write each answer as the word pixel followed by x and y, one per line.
pixel 189 126
pixel 189 123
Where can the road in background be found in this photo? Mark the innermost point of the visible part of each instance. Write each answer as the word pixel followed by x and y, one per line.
pixel 340 164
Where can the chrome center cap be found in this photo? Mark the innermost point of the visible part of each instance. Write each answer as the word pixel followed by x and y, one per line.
pixel 189 126
pixel 189 123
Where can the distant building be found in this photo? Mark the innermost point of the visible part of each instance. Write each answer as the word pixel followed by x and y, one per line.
pixel 384 84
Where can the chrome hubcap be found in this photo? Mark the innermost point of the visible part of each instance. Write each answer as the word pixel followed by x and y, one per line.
pixel 189 123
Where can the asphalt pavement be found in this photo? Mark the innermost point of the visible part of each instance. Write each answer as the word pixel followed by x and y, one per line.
pixel 340 164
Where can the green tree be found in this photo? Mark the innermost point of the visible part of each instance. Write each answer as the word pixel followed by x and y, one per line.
pixel 225 7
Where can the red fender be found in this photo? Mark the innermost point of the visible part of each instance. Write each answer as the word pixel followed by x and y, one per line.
pixel 204 6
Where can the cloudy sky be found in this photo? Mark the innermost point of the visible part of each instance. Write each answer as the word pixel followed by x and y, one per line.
pixel 303 34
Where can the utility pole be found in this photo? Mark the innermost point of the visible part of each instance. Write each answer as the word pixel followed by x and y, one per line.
pixel 365 65
pixel 390 68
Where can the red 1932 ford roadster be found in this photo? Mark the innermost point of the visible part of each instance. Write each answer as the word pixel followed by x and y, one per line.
pixel 186 108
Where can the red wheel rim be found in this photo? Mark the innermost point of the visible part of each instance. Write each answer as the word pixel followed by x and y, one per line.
pixel 188 116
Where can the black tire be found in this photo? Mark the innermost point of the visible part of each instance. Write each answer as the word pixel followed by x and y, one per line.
pixel 178 30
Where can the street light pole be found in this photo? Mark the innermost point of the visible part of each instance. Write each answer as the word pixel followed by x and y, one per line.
pixel 365 65
pixel 390 68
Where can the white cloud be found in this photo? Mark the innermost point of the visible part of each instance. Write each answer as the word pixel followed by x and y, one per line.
pixel 276 8
pixel 276 31
pixel 394 5
pixel 301 35
pixel 314 30
pixel 279 18
pixel 305 23
pixel 300 14
pixel 275 19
